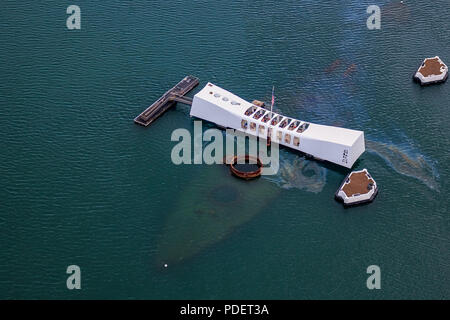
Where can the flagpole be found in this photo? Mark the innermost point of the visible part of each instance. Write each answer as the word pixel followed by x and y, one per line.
pixel 271 106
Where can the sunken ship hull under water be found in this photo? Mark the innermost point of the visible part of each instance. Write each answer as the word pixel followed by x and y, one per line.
pixel 337 145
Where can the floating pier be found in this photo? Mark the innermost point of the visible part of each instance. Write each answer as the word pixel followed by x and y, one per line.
pixel 358 187
pixel 226 110
pixel 432 70
pixel 168 100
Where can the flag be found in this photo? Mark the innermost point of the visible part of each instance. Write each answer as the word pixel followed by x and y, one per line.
pixel 273 97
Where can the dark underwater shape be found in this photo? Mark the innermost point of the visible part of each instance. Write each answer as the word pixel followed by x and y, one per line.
pixel 208 210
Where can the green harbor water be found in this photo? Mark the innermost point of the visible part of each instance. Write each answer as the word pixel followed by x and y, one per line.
pixel 81 184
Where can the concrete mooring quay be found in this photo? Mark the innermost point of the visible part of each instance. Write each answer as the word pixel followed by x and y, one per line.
pixel 168 100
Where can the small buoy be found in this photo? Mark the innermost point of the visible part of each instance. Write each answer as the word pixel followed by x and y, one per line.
pixel 165 265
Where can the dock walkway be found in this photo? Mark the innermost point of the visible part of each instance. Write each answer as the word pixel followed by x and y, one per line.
pixel 168 100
